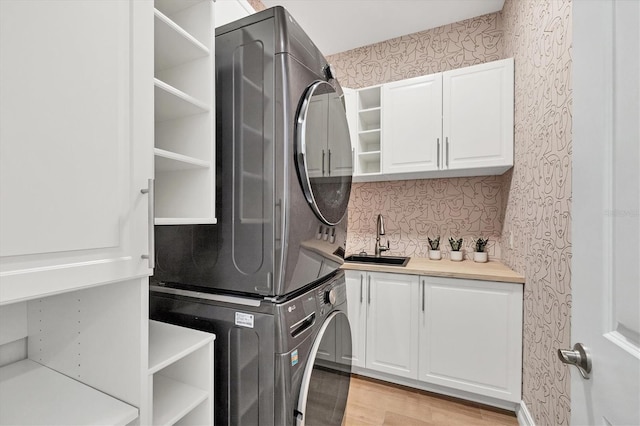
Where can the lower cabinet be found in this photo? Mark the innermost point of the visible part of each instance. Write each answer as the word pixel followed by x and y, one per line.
pixel 441 334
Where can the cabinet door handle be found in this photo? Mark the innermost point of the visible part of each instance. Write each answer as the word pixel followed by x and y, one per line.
pixel 329 168
pixel 447 147
pixel 438 156
pixel 369 290
pixel 361 279
pixel 150 191
pixel 423 295
pixel 323 162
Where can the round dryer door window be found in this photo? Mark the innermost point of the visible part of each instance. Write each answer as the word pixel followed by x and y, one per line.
pixel 323 152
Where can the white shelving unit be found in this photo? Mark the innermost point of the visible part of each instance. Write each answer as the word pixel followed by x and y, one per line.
pixel 368 146
pixel 30 394
pixel 184 112
pixel 180 374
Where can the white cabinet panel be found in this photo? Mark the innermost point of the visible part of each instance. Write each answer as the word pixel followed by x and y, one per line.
pixel 392 324
pixel 75 144
pixel 357 313
pixel 231 10
pixel 478 116
pixel 412 124
pixel 471 336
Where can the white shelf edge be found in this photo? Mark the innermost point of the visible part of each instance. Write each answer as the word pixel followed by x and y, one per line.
pixel 172 400
pixel 368 110
pixel 369 131
pixel 169 343
pixel 369 154
pixel 185 221
pixel 192 161
pixel 176 7
pixel 180 96
pixel 26 383
pixel 181 31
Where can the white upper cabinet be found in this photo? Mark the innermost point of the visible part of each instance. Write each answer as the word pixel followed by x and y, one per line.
pixel 478 116
pixel 450 124
pixel 75 144
pixel 412 124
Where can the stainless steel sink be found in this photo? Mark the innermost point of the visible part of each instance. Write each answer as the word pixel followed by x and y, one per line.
pixel 382 260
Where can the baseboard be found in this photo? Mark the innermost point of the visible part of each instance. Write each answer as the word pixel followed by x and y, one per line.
pixel 524 416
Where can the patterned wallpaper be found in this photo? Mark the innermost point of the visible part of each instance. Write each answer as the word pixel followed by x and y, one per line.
pixel 537 33
pixel 457 45
pixel 414 210
pixel 417 209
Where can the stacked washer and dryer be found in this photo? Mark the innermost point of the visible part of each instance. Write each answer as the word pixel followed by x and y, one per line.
pixel 266 278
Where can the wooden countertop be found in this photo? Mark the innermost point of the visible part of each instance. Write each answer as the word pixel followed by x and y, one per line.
pixel 490 271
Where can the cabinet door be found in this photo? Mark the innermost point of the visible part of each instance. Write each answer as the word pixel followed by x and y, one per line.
pixel 75 144
pixel 356 306
pixel 316 137
pixel 478 116
pixel 392 324
pixel 471 336
pixel 412 124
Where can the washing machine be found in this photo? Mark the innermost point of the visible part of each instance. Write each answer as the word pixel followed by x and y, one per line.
pixel 278 361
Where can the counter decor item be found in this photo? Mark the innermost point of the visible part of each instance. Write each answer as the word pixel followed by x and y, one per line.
pixel 480 255
pixel 456 246
pixel 434 248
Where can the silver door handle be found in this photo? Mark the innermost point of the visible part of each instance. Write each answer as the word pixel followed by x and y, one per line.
pixel 423 295
pixel 329 168
pixel 369 289
pixel 361 279
pixel 438 156
pixel 323 162
pixel 150 191
pixel 579 356
pixel 447 147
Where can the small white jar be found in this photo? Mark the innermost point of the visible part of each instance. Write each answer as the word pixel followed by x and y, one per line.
pixel 435 255
pixel 456 256
pixel 480 256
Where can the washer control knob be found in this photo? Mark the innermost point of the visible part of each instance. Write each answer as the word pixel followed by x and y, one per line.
pixel 330 297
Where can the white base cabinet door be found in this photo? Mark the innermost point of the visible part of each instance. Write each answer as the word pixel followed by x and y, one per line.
pixel 75 144
pixel 392 324
pixel 357 314
pixel 471 336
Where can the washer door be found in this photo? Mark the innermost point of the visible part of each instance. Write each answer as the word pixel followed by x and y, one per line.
pixel 325 383
pixel 323 152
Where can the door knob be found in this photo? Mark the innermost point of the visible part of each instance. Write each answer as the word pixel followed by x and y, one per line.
pixel 579 356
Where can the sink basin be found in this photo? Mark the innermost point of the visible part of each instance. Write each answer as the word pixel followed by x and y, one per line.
pixel 382 260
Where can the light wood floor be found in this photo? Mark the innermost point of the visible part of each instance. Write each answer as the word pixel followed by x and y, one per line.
pixel 372 402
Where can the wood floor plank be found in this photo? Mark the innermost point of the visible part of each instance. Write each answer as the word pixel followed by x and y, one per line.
pixel 375 403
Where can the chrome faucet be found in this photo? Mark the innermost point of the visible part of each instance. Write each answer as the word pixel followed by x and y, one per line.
pixel 379 232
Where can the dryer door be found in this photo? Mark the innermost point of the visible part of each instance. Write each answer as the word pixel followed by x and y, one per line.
pixel 325 384
pixel 323 152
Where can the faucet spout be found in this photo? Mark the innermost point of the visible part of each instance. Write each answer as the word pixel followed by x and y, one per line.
pixel 380 231
pixel 380 226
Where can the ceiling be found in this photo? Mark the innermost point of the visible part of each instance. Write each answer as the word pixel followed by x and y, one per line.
pixel 339 25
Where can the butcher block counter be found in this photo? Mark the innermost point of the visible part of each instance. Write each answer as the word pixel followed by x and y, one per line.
pixel 491 271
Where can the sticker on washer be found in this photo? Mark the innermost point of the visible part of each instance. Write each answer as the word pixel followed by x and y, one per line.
pixel 294 357
pixel 244 320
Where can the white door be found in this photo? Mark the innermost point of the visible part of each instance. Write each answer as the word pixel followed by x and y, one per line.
pixel 606 226
pixel 412 124
pixel 75 143
pixel 477 115
pixel 392 324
